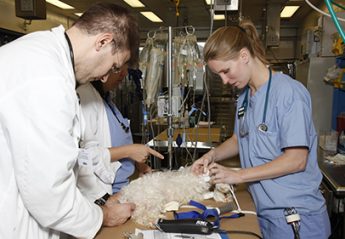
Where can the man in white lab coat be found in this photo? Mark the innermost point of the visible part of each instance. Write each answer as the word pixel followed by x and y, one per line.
pixel 40 124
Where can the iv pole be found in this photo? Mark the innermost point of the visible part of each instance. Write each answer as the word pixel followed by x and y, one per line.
pixel 170 130
pixel 169 76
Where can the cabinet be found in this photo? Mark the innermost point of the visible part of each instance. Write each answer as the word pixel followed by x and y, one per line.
pixel 311 72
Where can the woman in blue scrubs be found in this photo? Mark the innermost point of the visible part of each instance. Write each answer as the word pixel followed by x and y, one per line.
pixel 107 141
pixel 274 136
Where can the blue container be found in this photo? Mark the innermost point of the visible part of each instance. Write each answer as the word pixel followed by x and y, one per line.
pixel 340 61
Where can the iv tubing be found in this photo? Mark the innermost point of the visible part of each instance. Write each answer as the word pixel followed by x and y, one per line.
pixel 335 20
pixel 338 5
pixel 170 130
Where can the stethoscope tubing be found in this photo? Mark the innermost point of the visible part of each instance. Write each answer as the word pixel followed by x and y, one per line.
pixel 267 94
pixel 262 126
pixel 123 126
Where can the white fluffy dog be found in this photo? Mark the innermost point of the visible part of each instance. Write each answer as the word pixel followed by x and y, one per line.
pixel 152 192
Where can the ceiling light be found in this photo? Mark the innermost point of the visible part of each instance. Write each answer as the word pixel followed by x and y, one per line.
pixel 208 2
pixel 219 17
pixel 288 11
pixel 60 4
pixel 134 3
pixel 78 14
pixel 151 16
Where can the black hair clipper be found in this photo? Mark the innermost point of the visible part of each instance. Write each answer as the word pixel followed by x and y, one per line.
pixel 189 226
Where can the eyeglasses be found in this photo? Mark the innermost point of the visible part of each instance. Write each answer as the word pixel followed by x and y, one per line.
pixel 115 69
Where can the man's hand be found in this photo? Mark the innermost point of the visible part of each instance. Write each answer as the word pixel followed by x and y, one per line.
pixel 115 213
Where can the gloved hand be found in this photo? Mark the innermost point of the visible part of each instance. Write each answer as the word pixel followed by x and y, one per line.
pixel 92 155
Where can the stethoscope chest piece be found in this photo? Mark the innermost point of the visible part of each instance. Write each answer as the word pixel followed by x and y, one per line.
pixel 263 127
pixel 241 111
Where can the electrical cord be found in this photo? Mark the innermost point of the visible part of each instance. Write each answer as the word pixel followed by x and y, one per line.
pixel 208 105
pixel 197 128
pixel 322 12
pixel 212 16
pixel 239 210
pixel 239 232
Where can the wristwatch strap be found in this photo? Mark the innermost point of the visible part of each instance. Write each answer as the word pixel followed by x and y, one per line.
pixel 101 201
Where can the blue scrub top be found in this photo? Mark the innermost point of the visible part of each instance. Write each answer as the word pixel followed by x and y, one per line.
pixel 290 124
pixel 118 138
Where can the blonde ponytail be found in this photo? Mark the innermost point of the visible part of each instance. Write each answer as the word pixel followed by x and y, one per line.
pixel 258 48
pixel 226 42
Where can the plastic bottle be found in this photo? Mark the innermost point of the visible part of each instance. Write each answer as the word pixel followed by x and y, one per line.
pixel 341 142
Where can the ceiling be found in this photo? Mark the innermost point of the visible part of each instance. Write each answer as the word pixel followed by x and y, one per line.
pixel 196 13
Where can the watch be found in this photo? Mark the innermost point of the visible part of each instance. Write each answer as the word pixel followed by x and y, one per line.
pixel 101 201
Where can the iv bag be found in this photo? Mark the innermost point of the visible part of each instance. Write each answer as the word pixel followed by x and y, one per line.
pixel 154 74
pixel 144 56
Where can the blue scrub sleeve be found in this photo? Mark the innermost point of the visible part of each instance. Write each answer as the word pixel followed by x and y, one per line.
pixel 295 125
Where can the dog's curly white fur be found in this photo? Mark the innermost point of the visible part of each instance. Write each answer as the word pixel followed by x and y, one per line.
pixel 152 192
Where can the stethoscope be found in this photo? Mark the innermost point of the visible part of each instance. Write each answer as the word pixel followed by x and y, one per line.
pixel 72 59
pixel 241 111
pixel 70 50
pixel 123 126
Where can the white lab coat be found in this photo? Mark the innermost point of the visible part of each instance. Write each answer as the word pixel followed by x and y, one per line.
pixel 39 134
pixel 97 129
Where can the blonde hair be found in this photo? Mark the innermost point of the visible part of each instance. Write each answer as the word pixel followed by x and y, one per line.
pixel 226 42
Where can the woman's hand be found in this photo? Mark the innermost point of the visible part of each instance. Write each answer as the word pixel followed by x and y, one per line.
pixel 140 153
pixel 221 174
pixel 200 165
pixel 143 168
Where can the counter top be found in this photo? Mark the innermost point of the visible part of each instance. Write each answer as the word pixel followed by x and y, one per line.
pixel 248 223
pixel 334 175
pixel 201 138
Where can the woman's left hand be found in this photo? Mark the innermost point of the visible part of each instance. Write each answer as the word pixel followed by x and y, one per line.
pixel 143 168
pixel 140 153
pixel 221 174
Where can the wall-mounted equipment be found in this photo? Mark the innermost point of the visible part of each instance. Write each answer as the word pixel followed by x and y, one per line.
pixel 225 5
pixel 273 24
pixel 31 9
